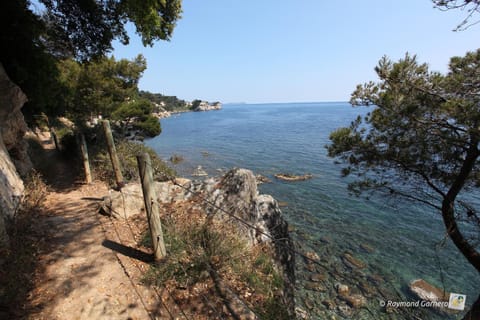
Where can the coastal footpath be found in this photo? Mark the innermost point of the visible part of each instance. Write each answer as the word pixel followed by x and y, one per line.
pixel 229 249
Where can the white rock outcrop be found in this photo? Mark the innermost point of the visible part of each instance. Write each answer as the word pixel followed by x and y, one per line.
pixel 12 150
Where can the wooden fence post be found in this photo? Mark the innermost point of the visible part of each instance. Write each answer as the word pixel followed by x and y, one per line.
pixel 55 139
pixel 86 164
pixel 113 154
pixel 149 196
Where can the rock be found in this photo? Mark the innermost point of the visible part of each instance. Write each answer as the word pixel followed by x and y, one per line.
pixel 129 200
pixel 301 314
pixel 13 151
pixel 317 277
pixel 311 256
pixel 205 106
pixel 355 300
pixel 309 304
pixel 367 289
pixel 262 179
pixel 325 239
pixel 315 286
pixel 427 292
pixel 236 193
pixel 292 177
pixel 310 267
pixel 12 123
pixel 342 289
pixel 375 278
pixel 330 304
pixel 352 262
pixel 282 204
pixel 345 311
pixel 199 172
pixel 365 247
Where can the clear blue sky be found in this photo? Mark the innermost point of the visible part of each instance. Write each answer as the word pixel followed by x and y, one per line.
pixel 294 50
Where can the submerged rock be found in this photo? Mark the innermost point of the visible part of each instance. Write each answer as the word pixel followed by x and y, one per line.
pixel 199 172
pixel 427 292
pixel 352 262
pixel 355 300
pixel 262 179
pixel 365 247
pixel 342 289
pixel 317 277
pixel 292 177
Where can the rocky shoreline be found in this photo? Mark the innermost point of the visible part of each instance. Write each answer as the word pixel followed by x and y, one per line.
pixel 161 113
pixel 258 217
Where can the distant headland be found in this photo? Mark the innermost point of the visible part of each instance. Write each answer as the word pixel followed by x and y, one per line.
pixel 166 106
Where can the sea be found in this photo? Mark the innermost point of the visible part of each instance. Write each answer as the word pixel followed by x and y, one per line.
pixel 398 241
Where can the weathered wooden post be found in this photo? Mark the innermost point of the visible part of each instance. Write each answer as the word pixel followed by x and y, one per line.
pixel 55 139
pixel 86 163
pixel 113 154
pixel 153 215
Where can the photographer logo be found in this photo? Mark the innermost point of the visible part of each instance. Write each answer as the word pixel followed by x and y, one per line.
pixel 457 301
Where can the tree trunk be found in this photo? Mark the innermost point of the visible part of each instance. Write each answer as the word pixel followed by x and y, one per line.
pixel 448 207
pixel 448 214
pixel 474 312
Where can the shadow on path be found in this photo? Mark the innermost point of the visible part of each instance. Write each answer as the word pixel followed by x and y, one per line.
pixel 128 251
pixel 60 170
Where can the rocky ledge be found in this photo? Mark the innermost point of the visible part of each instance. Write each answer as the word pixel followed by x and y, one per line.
pixel 233 197
pixel 205 106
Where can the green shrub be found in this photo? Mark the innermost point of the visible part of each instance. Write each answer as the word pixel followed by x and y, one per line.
pixel 150 126
pixel 191 250
pixel 127 154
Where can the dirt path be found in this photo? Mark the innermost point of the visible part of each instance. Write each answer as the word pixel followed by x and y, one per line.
pixel 91 267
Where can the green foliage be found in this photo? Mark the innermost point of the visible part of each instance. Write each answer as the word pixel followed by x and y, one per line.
pixel 421 139
pixel 103 86
pixel 172 103
pixel 421 125
pixel 196 103
pixel 150 126
pixel 25 57
pixel 127 154
pixel 85 29
pixel 137 114
pixel 472 7
pixel 192 251
pixel 67 31
pixel 195 247
pixel 132 109
pixel 107 87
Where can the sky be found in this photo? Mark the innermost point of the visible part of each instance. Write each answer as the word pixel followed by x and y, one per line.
pixel 260 51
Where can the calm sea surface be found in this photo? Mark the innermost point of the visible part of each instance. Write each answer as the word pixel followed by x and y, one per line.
pixel 291 138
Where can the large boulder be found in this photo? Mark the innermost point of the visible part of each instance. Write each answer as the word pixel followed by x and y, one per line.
pixel 129 201
pixel 427 292
pixel 235 197
pixel 12 123
pixel 12 150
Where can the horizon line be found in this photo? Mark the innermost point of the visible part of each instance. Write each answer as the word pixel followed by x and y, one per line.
pixel 289 102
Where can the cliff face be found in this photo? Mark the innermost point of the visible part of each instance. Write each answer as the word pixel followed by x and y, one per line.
pixel 13 150
pixel 12 123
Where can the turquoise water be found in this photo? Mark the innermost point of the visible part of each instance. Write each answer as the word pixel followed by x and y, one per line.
pixel 274 138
